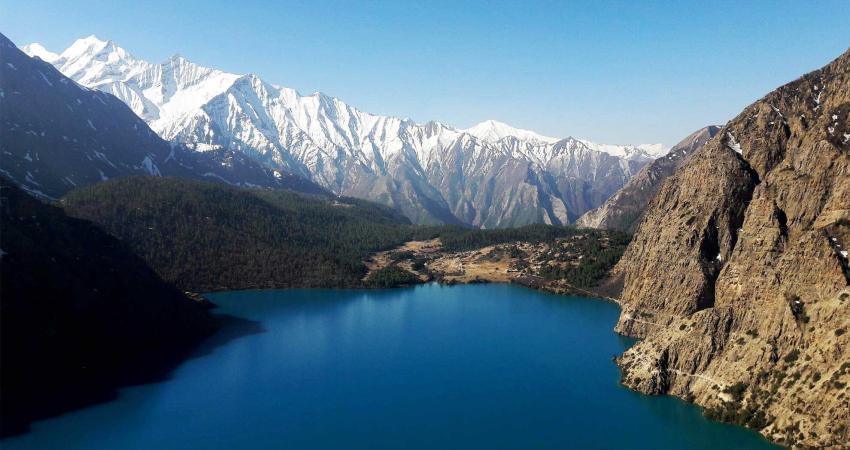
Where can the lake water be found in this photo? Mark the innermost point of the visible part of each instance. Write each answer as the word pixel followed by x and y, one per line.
pixel 429 367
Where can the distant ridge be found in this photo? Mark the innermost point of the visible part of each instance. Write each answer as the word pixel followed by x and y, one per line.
pixel 490 175
pixel 624 209
pixel 57 136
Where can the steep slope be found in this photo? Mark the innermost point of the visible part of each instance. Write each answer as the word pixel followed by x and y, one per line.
pixel 623 210
pixel 737 277
pixel 491 175
pixel 76 305
pixel 57 135
pixel 210 237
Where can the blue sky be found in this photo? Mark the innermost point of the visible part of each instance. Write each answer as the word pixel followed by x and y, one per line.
pixel 614 72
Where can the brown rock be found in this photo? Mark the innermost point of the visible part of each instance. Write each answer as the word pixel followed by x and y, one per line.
pixel 624 210
pixel 735 277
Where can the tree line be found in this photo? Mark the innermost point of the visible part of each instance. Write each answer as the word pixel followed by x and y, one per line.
pixel 207 237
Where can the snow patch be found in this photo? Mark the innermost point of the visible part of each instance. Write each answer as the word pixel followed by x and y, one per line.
pixel 45 78
pixel 733 144
pixel 102 157
pixel 212 175
pixel 150 167
pixel 30 179
pixel 170 155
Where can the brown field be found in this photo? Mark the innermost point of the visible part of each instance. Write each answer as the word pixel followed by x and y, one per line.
pixel 488 264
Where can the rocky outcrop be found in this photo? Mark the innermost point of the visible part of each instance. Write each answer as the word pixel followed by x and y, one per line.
pixel 624 210
pixel 737 277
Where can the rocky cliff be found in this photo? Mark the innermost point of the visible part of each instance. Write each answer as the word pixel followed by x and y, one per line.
pixel 737 277
pixel 624 209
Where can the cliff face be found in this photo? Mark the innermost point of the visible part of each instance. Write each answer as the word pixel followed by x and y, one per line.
pixel 624 209
pixel 737 277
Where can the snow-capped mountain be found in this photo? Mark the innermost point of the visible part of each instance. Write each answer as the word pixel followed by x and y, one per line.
pixel 36 49
pixel 624 209
pixel 58 135
pixel 646 152
pixel 492 131
pixel 489 175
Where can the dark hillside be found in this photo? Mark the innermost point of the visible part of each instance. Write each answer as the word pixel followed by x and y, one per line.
pixel 209 237
pixel 76 303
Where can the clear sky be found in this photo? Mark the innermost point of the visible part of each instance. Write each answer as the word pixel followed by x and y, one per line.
pixel 613 72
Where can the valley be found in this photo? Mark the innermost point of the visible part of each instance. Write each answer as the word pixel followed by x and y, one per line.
pixel 195 256
pixel 579 265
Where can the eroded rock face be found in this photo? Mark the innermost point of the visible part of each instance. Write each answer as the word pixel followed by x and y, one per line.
pixel 736 277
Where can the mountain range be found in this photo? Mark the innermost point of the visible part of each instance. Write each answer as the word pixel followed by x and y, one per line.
pixel 623 210
pixel 490 175
pixel 58 135
pixel 737 280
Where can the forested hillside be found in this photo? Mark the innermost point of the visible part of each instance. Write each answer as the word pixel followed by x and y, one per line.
pixel 209 237
pixel 76 305
pixel 458 239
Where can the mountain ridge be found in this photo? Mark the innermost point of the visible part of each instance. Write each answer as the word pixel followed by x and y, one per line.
pixel 418 168
pixel 624 210
pixel 58 135
pixel 737 279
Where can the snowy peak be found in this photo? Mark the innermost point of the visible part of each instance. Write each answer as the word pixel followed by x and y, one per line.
pixel 654 150
pixel 84 45
pixel 644 152
pixel 174 97
pixel 355 153
pixel 91 61
pixel 36 49
pixel 493 131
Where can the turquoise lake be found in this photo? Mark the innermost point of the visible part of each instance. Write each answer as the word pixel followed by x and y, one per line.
pixel 429 367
